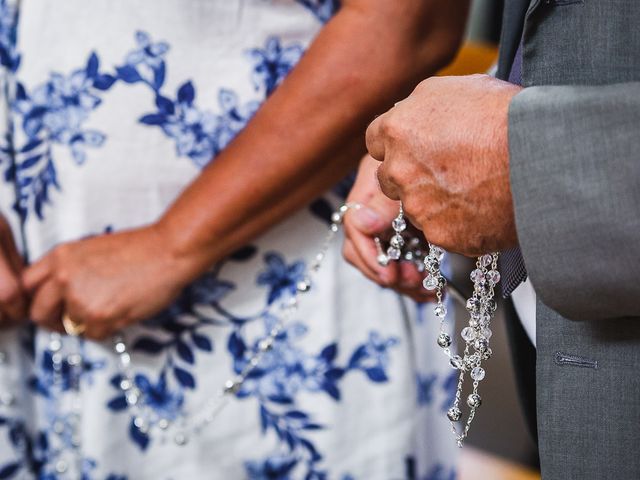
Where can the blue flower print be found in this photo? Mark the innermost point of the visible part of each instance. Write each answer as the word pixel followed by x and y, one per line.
pixel 373 357
pixel 323 9
pixel 200 135
pixel 280 277
pixel 449 385
pixel 273 63
pixel 58 110
pixel 277 467
pixel 9 57
pixel 148 53
pixel 146 63
pixel 425 385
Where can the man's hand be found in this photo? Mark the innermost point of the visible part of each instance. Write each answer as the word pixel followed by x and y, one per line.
pixel 374 219
pixel 105 282
pixel 13 299
pixel 445 155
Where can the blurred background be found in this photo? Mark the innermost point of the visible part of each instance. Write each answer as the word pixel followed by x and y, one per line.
pixel 499 446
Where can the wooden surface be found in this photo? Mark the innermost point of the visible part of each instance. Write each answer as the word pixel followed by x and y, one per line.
pixel 472 58
pixel 477 465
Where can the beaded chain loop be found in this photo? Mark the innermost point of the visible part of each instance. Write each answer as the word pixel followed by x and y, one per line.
pixel 481 307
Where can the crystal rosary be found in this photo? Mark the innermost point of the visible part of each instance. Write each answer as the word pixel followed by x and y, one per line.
pixel 402 247
pixel 481 308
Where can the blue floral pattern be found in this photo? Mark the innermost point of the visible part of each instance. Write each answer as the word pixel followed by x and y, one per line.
pixel 314 367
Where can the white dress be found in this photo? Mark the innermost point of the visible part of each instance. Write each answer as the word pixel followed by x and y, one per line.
pixel 110 110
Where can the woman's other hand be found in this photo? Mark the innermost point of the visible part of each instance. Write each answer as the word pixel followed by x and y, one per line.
pixel 105 282
pixel 13 298
pixel 371 220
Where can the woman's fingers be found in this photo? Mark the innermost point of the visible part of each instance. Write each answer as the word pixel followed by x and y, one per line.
pixel 34 275
pixel 47 304
pixel 13 301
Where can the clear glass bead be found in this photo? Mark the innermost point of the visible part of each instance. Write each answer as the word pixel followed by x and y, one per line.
pixel 431 282
pixel 487 333
pixel 456 362
pixel 478 374
pixel 394 253
pixel 383 260
pixel 304 285
pixel 486 260
pixel 493 276
pixel 399 224
pixel 436 252
pixel 477 276
pixel 440 310
pixel 469 334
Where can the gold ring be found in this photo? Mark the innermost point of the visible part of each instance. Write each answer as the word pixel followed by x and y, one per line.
pixel 73 328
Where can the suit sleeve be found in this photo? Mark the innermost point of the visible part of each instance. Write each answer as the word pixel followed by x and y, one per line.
pixel 575 177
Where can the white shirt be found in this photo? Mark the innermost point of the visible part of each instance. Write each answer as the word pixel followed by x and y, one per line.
pixel 524 300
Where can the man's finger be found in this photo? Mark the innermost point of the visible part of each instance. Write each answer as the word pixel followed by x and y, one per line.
pixel 8 245
pixel 351 255
pixel 375 139
pixel 386 185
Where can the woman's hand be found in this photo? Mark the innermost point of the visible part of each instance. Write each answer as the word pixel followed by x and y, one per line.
pixel 105 282
pixel 13 298
pixel 371 220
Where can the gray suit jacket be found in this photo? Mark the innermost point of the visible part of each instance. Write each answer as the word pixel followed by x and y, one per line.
pixel 574 137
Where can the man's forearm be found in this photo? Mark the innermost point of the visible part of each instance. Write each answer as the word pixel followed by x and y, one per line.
pixel 575 177
pixel 302 139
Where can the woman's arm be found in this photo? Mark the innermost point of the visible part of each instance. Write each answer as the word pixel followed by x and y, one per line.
pixel 309 134
pixel 305 137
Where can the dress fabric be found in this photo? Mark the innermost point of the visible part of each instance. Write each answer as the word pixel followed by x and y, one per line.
pixel 109 110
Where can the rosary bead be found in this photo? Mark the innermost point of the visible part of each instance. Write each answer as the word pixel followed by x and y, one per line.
pixel 486 355
pixel 456 362
pixel 61 467
pixel 431 282
pixel 336 217
pixel 481 345
pixel 399 224
pixel 444 340
pixel 486 260
pixel 180 439
pixel 477 276
pixel 493 276
pixel 436 252
pixel 474 400
pixel 471 361
pixel 163 424
pixel 454 414
pixel 383 260
pixel 468 334
pixel 120 347
pixel 440 310
pixel 304 285
pixel 487 333
pixel 232 387
pixel 394 253
pixel 473 304
pixel 397 241
pixel 478 374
